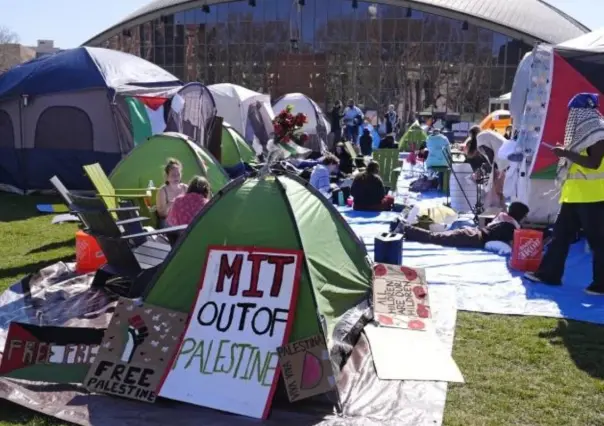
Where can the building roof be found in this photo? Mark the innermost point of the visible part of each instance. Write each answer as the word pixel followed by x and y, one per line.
pixel 530 20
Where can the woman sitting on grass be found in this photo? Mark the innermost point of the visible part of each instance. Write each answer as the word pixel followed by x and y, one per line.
pixel 172 188
pixel 369 192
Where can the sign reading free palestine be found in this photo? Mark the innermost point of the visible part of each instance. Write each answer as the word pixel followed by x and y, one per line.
pixel 244 311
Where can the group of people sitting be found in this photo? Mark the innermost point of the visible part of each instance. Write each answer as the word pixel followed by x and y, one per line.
pixel 367 189
pixel 178 203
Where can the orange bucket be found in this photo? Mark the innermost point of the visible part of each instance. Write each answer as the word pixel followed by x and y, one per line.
pixel 527 250
pixel 89 256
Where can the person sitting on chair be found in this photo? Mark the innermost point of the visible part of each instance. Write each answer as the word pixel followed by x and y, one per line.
pixel 500 229
pixel 369 192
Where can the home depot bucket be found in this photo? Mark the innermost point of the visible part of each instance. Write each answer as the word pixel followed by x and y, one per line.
pixel 527 250
pixel 89 256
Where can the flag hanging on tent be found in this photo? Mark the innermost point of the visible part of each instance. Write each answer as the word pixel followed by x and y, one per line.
pixel 147 116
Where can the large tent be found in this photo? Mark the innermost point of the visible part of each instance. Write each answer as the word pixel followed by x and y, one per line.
pixel 273 212
pixel 77 107
pixel 317 122
pixel 145 163
pixel 545 83
pixel 248 112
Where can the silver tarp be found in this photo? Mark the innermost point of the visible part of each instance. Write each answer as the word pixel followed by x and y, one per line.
pixel 56 296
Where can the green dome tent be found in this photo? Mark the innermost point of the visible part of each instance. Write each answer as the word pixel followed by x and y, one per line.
pixel 235 149
pixel 145 163
pixel 414 135
pixel 277 212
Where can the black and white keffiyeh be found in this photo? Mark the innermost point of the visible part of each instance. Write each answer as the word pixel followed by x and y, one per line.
pixel 584 128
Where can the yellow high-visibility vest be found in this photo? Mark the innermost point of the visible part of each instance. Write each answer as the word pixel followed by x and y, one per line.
pixel 583 185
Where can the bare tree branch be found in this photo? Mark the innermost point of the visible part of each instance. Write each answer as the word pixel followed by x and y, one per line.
pixel 9 56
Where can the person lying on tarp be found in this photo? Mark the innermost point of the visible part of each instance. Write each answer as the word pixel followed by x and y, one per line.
pixel 369 192
pixel 500 229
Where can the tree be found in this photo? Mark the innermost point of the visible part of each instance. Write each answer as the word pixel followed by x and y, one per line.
pixel 7 55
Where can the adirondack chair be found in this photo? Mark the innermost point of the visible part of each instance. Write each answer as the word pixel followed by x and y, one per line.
pixel 115 198
pixel 66 196
pixel 128 256
pixel 389 162
pixel 359 160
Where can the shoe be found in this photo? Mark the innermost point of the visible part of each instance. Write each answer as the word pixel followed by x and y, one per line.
pixel 595 290
pixel 537 278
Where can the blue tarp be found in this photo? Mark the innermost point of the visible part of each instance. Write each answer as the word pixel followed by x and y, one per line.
pixel 374 134
pixel 83 68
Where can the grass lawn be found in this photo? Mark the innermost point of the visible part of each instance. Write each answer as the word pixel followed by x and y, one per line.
pixel 519 370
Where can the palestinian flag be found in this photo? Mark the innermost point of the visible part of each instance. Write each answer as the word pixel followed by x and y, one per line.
pixel 566 72
pixel 49 354
pixel 147 115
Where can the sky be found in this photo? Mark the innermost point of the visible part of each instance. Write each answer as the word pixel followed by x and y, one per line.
pixel 71 22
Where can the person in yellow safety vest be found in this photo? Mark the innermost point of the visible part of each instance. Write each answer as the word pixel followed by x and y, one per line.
pixel 582 194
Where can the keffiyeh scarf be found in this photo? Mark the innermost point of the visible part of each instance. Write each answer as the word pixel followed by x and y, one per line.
pixel 584 128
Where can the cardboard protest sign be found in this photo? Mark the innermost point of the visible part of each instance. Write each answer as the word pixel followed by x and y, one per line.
pixel 49 354
pixel 306 368
pixel 243 312
pixel 400 297
pixel 137 350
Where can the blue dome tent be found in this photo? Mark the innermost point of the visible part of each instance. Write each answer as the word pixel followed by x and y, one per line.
pixel 76 107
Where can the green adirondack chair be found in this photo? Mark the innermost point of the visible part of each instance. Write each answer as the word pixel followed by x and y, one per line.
pixel 389 166
pixel 112 196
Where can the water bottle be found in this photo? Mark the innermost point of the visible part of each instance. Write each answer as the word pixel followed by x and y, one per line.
pixel 150 188
pixel 340 198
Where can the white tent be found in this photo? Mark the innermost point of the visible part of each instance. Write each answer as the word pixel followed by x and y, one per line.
pixel 317 122
pixel 248 112
pixel 590 42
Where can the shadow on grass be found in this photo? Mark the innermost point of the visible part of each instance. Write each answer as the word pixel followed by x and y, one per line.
pixel 53 246
pixel 584 342
pixel 31 268
pixel 21 207
pixel 13 414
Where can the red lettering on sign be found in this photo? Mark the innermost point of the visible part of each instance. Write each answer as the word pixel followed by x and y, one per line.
pixel 279 262
pixel 256 259
pixel 230 271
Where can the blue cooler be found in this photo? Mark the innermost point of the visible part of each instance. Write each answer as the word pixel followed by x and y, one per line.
pixel 388 248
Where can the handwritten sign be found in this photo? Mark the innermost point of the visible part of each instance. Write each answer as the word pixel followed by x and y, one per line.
pixel 137 349
pixel 243 312
pixel 60 354
pixel 400 297
pixel 306 368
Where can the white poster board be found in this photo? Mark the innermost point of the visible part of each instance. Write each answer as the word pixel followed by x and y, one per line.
pixel 228 356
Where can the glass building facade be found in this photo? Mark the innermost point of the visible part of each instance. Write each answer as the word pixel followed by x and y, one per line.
pixel 377 54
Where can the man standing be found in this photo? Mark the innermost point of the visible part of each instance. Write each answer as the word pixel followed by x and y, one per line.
pixel 353 118
pixel 581 172
pixel 335 117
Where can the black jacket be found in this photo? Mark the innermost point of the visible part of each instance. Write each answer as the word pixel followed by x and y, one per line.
pixel 367 191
